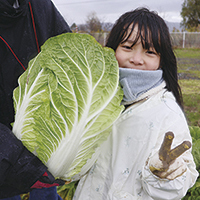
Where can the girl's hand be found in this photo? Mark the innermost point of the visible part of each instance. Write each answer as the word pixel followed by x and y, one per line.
pixel 167 163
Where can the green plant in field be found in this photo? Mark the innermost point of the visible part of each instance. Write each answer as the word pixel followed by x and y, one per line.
pixel 194 192
pixel 191 99
pixel 189 67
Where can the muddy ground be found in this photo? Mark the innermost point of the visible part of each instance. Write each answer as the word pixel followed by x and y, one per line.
pixel 189 68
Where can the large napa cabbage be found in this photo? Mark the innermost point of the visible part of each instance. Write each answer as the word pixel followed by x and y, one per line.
pixel 66 102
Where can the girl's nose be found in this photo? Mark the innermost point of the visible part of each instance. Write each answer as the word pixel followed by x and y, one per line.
pixel 136 58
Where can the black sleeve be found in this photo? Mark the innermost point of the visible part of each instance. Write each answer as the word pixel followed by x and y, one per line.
pixel 48 20
pixel 19 168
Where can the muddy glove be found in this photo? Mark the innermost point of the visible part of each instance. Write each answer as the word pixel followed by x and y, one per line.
pixel 19 168
pixel 167 163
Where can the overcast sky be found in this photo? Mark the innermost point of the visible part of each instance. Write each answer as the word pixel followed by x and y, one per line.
pixel 76 11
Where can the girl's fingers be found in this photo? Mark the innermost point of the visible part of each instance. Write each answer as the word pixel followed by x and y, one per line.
pixel 177 151
pixel 166 146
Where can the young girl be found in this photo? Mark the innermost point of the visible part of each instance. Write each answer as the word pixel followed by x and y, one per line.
pixel 132 164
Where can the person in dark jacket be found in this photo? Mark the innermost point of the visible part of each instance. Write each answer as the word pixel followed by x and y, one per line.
pixel 24 26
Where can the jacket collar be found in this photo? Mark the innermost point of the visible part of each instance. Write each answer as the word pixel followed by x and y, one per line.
pixel 9 15
pixel 148 94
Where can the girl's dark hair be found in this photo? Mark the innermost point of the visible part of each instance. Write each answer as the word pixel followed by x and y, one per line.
pixel 153 32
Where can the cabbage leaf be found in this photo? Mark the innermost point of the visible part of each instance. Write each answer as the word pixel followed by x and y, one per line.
pixel 66 103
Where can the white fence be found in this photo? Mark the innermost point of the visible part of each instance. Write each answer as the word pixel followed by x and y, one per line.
pixel 186 39
pixel 179 39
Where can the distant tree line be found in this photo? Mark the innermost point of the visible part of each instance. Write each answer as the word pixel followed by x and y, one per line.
pixel 190 13
pixel 92 25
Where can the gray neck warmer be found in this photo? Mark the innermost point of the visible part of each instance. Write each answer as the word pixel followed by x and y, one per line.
pixel 136 82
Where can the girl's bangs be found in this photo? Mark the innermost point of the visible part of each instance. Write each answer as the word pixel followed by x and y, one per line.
pixel 127 31
pixel 149 37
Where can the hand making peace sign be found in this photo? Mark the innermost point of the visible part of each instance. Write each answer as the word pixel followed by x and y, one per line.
pixel 167 163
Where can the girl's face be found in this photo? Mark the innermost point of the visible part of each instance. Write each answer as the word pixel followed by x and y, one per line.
pixel 136 57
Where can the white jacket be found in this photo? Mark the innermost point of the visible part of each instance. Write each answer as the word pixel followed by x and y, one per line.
pixel 120 172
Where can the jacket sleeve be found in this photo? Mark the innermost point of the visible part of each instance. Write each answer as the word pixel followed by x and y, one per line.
pixel 159 188
pixel 19 168
pixel 48 20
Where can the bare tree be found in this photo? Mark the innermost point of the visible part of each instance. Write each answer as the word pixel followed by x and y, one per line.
pixel 95 27
pixel 93 23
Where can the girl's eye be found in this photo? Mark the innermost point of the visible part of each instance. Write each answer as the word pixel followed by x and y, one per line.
pixel 127 47
pixel 151 52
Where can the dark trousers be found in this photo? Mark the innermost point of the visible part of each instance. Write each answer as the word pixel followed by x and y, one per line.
pixel 40 194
